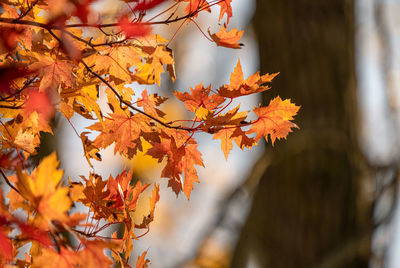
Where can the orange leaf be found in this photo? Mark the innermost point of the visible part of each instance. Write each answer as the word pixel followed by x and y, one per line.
pixel 227 39
pixel 227 135
pixel 142 261
pixel 225 8
pixel 129 193
pixel 149 103
pixel 52 72
pixel 195 5
pixel 199 97
pixel 125 131
pixel 274 120
pixel 115 61
pixel 240 87
pixel 179 160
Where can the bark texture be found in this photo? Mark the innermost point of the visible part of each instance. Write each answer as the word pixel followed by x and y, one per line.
pixel 310 209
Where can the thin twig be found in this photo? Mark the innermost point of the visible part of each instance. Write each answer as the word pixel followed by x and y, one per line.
pixel 129 104
pixel 8 182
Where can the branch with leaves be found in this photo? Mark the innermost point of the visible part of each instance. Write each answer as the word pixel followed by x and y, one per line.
pixel 55 58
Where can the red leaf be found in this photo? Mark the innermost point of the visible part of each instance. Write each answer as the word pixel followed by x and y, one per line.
pixel 6 249
pixel 133 29
pixel 39 102
pixel 34 233
pixel 7 75
pixel 144 5
pixel 83 9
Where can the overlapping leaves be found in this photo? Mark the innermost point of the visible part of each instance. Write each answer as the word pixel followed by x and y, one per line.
pixel 60 55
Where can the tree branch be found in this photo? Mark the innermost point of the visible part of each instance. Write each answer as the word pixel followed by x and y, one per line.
pixel 8 182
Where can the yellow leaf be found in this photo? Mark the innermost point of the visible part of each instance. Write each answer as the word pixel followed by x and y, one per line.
pixel 44 192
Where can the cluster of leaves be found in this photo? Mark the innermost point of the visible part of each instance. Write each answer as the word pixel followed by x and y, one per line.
pixel 55 57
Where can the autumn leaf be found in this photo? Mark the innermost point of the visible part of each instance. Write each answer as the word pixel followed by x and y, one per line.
pixel 229 134
pixel 227 39
pixel 44 193
pixel 194 6
pixel 53 72
pixel 7 76
pixel 179 160
pixel 225 9
pixel 90 150
pixel 147 4
pixel 150 71
pixel 115 61
pixel 150 102
pixel 125 131
pixel 39 102
pixel 142 261
pixel 92 255
pixel 6 248
pixel 274 120
pixel 230 118
pixel 226 142
pixel 82 9
pixel 24 131
pixel 128 195
pixel 133 29
pixel 155 197
pixel 93 195
pixel 200 97
pixel 240 87
pixel 86 62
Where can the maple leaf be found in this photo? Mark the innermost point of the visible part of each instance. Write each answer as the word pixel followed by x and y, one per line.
pixel 125 131
pixel 53 72
pixel 43 191
pixel 142 261
pixel 133 29
pixel 82 9
pixel 225 9
pixel 10 36
pixel 150 102
pixel 231 118
pixel 93 195
pixel 179 160
pixel 115 61
pixel 150 71
pixel 24 131
pixel 153 201
pixel 82 99
pixel 274 120
pixel 229 134
pixel 194 6
pixel 6 247
pixel 147 4
pixel 39 102
pixel 227 39
pixel 200 97
pixel 7 76
pixel 90 150
pixel 122 193
pixel 92 255
pixel 240 87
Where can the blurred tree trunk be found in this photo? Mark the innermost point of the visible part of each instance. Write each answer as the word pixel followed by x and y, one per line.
pixel 310 209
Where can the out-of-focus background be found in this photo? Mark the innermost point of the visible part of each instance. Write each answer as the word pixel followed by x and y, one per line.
pixel 326 196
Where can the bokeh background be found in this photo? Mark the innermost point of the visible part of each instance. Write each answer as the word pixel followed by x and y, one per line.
pixel 326 196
